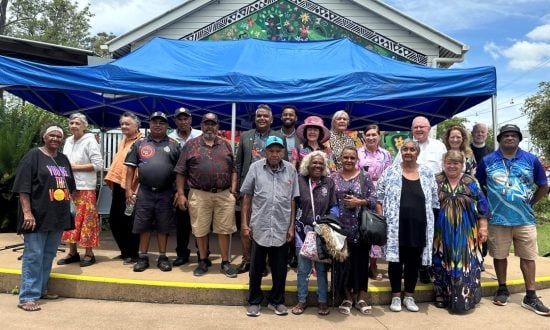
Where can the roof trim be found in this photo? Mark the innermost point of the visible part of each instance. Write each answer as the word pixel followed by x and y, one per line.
pixel 48 45
pixel 453 46
pixel 413 25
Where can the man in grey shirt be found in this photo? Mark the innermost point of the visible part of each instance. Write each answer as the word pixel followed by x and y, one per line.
pixel 269 189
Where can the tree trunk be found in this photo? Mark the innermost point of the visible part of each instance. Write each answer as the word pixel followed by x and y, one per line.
pixel 3 16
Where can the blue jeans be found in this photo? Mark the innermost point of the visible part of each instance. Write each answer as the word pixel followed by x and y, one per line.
pixel 40 249
pixel 304 270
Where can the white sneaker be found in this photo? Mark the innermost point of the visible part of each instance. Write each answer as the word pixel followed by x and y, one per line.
pixel 409 303
pixel 395 304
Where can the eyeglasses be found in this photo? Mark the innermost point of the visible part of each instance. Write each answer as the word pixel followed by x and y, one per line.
pixel 420 127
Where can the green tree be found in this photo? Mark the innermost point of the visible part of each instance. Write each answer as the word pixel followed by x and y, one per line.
pixel 454 121
pixel 54 21
pixel 19 129
pixel 537 109
pixel 99 39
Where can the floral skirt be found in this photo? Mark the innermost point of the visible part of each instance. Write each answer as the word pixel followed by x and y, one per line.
pixel 87 227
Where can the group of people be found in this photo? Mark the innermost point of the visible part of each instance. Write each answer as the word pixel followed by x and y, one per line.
pixel 280 182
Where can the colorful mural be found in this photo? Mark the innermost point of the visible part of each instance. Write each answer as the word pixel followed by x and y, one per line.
pixel 296 20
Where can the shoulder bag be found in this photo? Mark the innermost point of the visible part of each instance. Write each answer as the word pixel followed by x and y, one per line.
pixel 372 227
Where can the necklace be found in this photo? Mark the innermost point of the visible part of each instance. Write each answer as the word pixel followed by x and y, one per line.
pixel 44 150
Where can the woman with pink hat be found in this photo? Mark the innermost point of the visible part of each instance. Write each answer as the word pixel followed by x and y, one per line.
pixel 313 135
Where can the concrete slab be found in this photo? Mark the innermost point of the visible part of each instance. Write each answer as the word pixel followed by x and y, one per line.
pixel 109 279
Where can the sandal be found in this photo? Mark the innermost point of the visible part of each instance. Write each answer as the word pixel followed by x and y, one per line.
pixel 363 307
pixel 323 309
pixel 29 306
pixel 50 296
pixel 300 308
pixel 88 260
pixel 345 307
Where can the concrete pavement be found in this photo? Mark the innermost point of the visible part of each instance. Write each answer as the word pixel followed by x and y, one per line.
pixel 70 313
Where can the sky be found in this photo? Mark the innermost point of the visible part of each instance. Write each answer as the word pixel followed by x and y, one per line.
pixel 511 35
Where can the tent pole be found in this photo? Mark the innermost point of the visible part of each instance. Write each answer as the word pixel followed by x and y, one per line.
pixel 495 120
pixel 233 124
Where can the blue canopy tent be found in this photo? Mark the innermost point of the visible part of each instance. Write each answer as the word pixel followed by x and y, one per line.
pixel 231 77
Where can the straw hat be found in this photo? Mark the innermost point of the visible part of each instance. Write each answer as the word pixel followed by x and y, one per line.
pixel 313 121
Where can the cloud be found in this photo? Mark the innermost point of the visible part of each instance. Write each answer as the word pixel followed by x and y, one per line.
pixel 540 33
pixel 120 17
pixel 526 55
pixel 493 50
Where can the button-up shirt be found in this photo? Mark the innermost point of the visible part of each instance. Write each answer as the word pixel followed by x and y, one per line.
pixel 272 193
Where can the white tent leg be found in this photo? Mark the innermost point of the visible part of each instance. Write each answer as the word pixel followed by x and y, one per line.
pixel 495 120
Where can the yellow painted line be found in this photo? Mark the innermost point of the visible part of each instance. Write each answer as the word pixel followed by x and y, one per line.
pixel 195 285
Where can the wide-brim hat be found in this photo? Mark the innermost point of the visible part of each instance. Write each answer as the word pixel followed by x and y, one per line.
pixel 509 128
pixel 313 121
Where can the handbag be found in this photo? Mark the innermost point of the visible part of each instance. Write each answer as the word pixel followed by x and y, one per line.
pixel 335 240
pixel 372 226
pixel 313 247
pixel 310 249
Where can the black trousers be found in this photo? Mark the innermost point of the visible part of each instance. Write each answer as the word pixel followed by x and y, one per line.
pixel 121 225
pixel 277 262
pixel 352 275
pixel 183 230
pixel 409 260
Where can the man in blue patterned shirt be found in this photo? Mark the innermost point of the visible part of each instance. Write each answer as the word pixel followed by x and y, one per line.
pixel 509 175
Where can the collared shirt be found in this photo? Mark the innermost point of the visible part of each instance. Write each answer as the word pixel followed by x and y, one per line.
pixel 207 167
pixel 431 155
pixel 337 142
pixel 510 184
pixel 117 171
pixel 272 193
pixel 373 162
pixel 258 147
pixel 290 141
pixel 155 161
pixel 193 134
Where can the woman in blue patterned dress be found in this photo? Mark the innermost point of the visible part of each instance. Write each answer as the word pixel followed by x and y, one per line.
pixel 459 231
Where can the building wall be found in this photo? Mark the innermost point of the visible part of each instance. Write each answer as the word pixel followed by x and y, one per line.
pixel 367 18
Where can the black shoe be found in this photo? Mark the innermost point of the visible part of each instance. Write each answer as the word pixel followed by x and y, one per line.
pixel 501 297
pixel 482 268
pixel 208 261
pixel 535 305
pixel 228 270
pixel 164 264
pixel 201 269
pixel 130 260
pixel 69 259
pixel 180 261
pixel 87 261
pixel 243 267
pixel 142 264
pixel 424 275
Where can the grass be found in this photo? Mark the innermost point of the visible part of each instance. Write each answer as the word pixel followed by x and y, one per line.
pixel 543 238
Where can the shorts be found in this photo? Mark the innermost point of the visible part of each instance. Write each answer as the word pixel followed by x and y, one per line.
pixel 524 238
pixel 216 210
pixel 154 210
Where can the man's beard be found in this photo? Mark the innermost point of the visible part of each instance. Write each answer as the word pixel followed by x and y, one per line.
pixel 210 136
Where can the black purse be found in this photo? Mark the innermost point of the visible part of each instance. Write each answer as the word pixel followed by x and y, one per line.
pixel 373 227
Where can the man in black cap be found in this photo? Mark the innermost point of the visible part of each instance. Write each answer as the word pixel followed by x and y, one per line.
pixel 509 175
pixel 154 157
pixel 183 133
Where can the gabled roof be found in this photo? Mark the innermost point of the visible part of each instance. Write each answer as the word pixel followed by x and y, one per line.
pixel 448 47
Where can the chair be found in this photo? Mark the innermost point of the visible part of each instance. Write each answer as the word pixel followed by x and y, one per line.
pixel 104 200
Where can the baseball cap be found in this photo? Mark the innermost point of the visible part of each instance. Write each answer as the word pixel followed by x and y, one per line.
pixel 509 128
pixel 210 117
pixel 271 140
pixel 158 114
pixel 182 111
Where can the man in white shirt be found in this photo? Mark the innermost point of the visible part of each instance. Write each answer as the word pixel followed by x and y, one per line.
pixel 431 150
